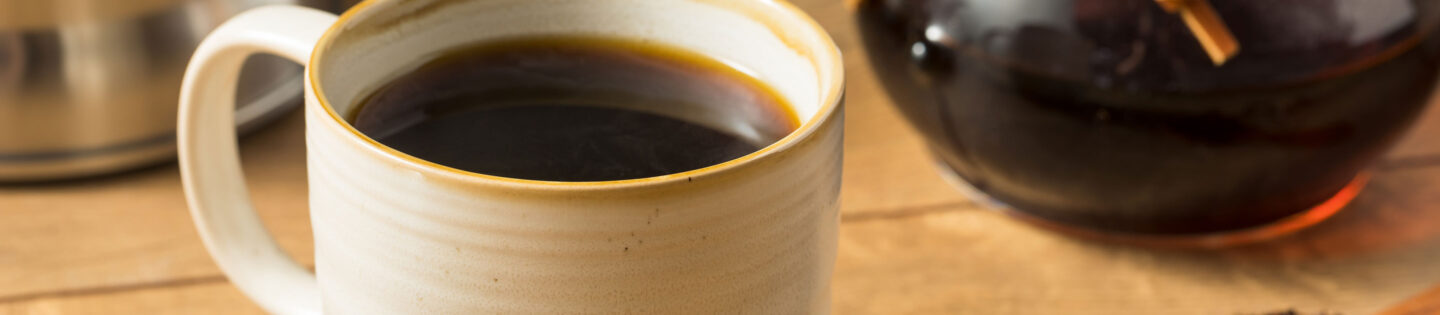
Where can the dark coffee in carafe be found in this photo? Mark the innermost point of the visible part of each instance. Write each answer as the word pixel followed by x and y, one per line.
pixel 1110 115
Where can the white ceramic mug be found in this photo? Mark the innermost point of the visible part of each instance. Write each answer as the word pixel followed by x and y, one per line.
pixel 395 234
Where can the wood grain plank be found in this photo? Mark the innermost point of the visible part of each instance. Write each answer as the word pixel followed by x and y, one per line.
pixel 211 298
pixel 132 229
pixel 1423 140
pixel 1427 303
pixel 1373 255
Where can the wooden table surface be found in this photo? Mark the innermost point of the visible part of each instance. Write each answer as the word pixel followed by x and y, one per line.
pixel 909 244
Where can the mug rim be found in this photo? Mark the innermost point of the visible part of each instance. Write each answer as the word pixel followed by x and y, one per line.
pixel 829 104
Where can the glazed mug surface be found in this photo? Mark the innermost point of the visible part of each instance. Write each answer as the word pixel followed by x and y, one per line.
pixel 396 234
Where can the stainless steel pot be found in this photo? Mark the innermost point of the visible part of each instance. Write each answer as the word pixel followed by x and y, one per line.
pixel 90 86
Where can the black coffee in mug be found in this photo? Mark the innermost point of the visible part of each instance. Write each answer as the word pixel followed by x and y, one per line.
pixel 574 109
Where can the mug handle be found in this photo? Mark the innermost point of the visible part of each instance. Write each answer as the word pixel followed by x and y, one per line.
pixel 210 164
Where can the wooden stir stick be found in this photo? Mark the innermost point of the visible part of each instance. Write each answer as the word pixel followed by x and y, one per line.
pixel 1207 27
